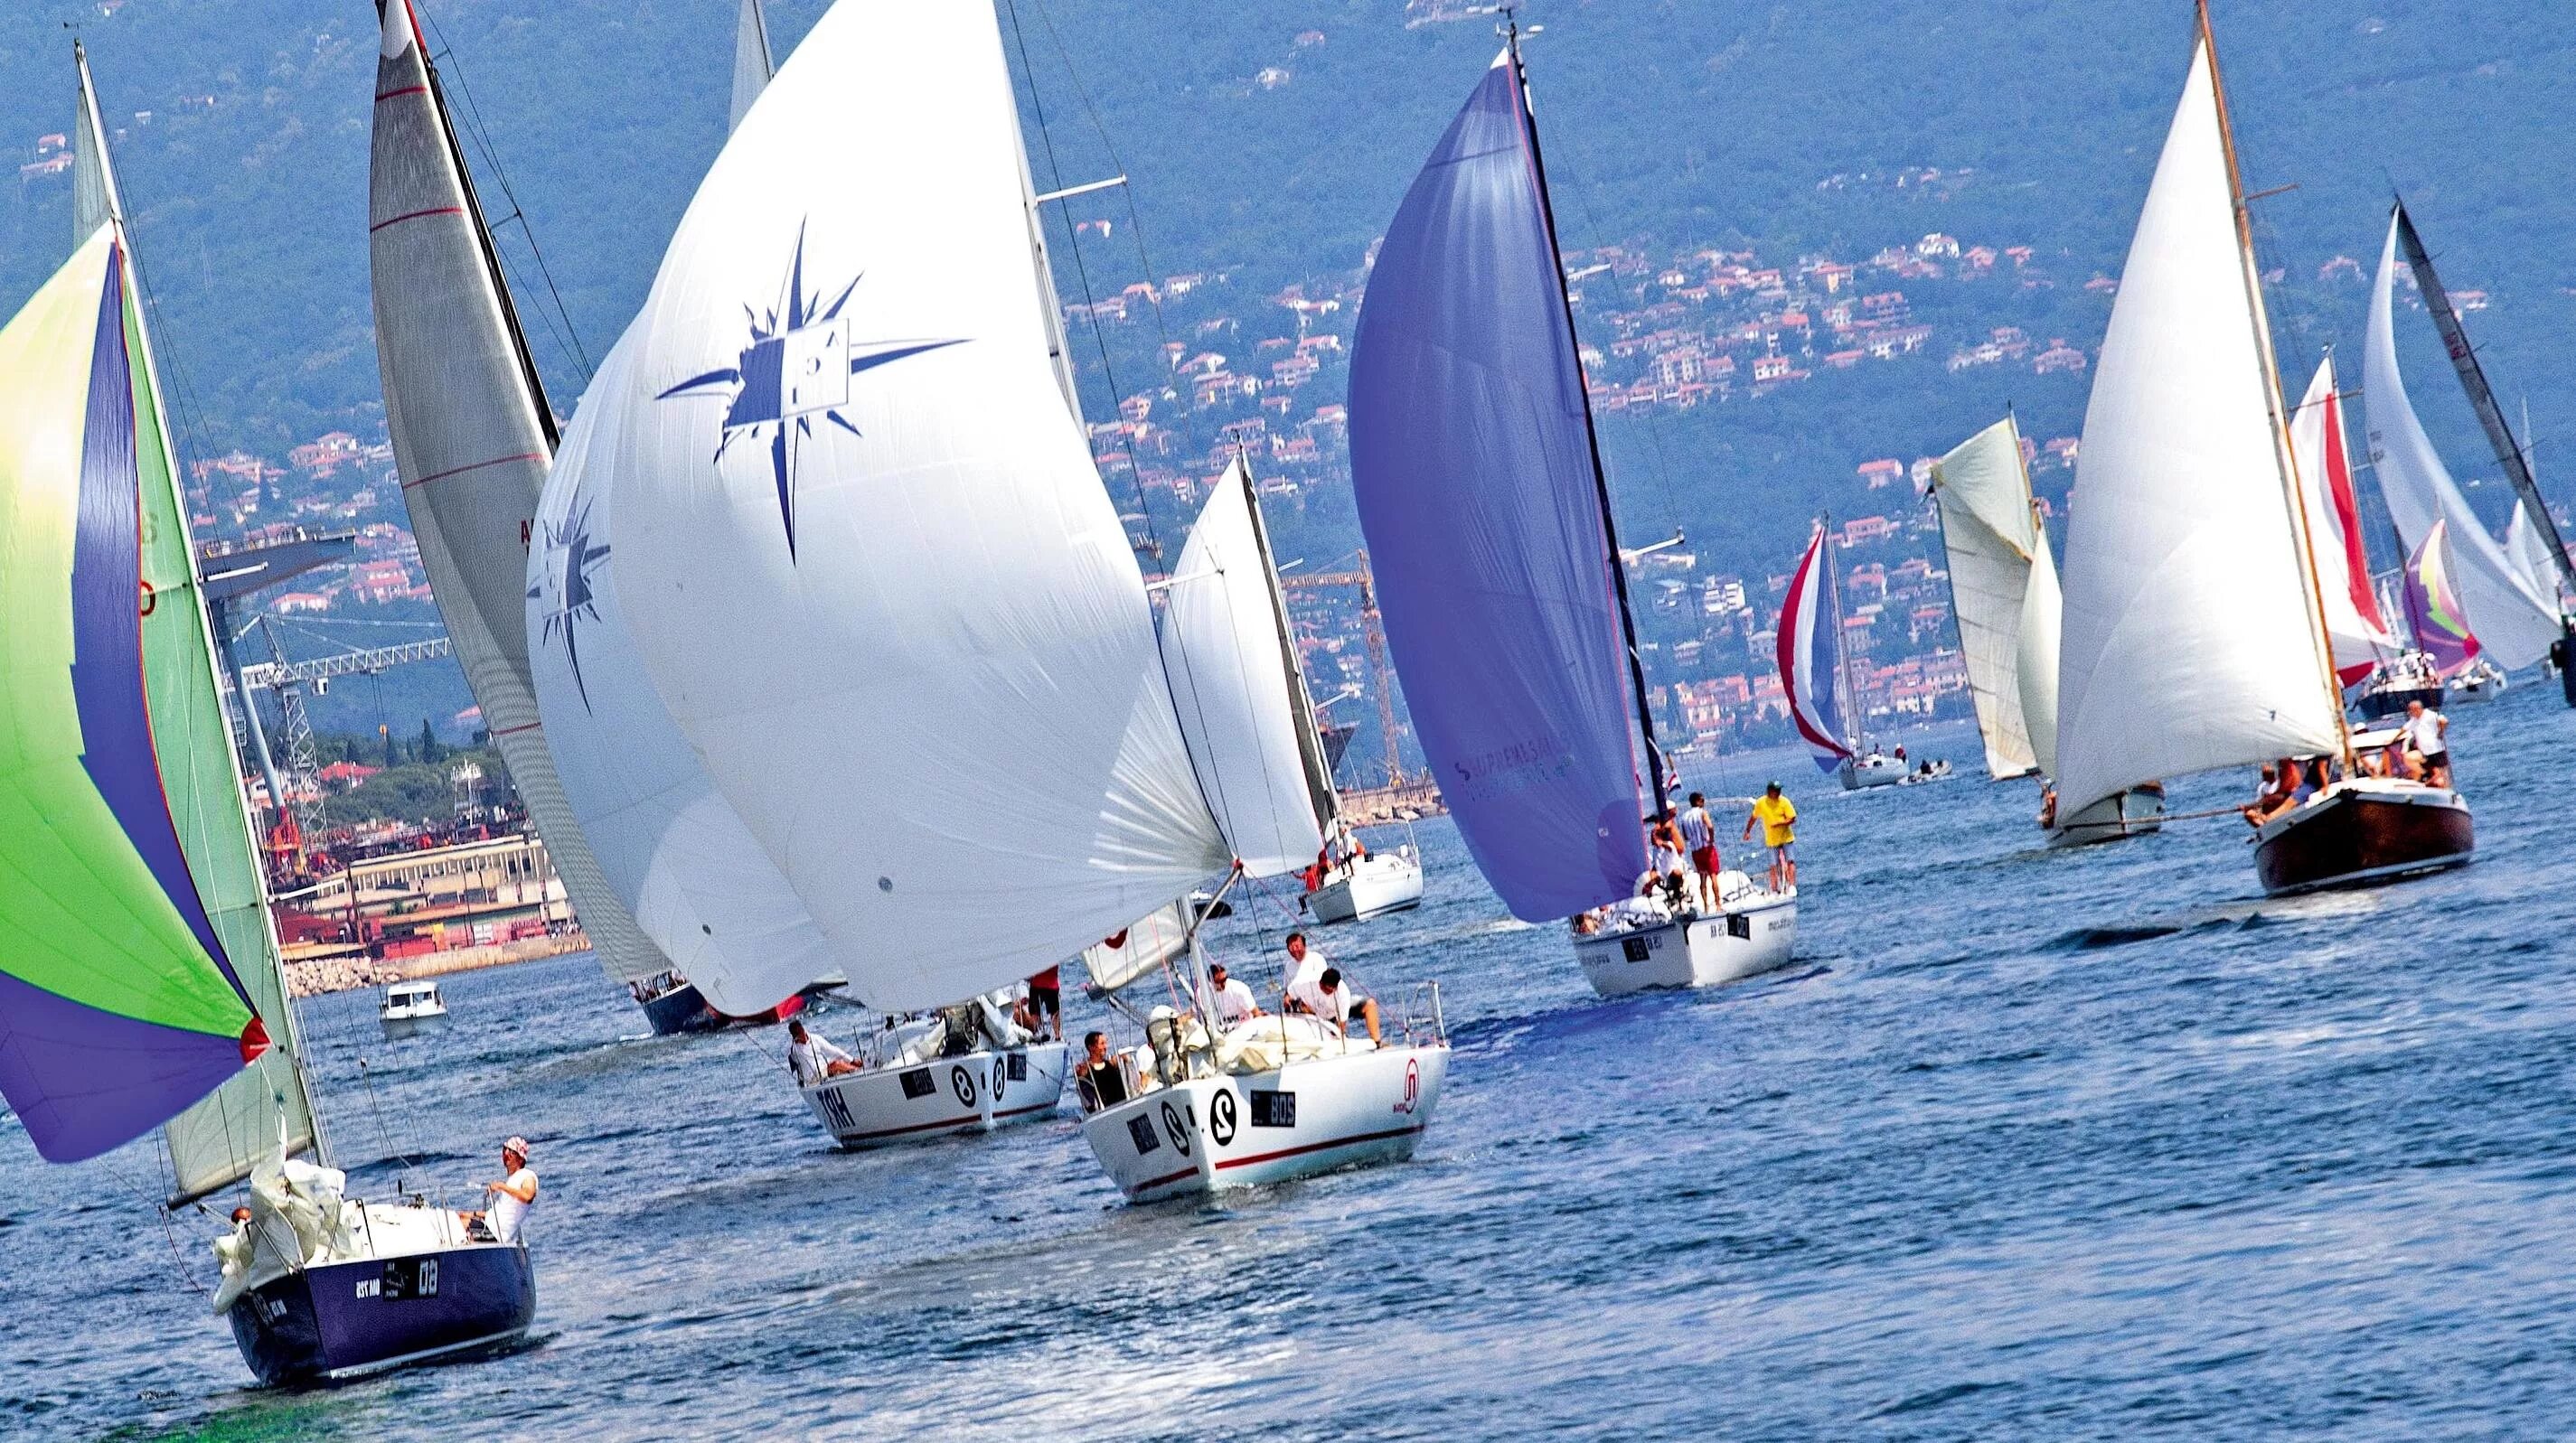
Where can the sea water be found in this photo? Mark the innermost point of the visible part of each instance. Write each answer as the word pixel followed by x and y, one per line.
pixel 2025 1144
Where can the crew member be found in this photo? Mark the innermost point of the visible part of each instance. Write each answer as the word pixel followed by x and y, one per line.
pixel 505 1216
pixel 2426 736
pixel 1779 819
pixel 1699 834
pixel 1046 995
pixel 1096 1077
pixel 813 1057
pixel 1665 839
pixel 1333 1001
pixel 1305 964
pixel 1234 1001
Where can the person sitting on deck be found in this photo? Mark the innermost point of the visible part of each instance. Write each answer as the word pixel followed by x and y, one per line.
pixel 1097 1076
pixel 813 1057
pixel 2279 793
pixel 1334 1002
pixel 1664 839
pixel 1233 1001
pixel 507 1214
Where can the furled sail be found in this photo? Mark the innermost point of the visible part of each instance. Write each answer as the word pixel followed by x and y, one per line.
pixel 2515 620
pixel 2353 624
pixel 1242 696
pixel 752 65
pixel 2043 608
pixel 1809 654
pixel 1989 532
pixel 2188 640
pixel 121 999
pixel 676 852
pixel 2433 610
pixel 1478 491
pixel 473 438
pixel 860 545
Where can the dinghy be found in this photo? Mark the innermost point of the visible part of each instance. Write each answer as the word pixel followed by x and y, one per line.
pixel 140 980
pixel 2196 635
pixel 1480 489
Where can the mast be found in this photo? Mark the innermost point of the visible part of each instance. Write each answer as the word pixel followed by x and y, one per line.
pixel 2274 404
pixel 1591 433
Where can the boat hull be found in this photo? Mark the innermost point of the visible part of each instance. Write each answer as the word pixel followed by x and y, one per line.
pixel 975 1092
pixel 346 1320
pixel 685 1009
pixel 1746 940
pixel 398 1028
pixel 1876 772
pixel 1380 884
pixel 2133 813
pixel 2392 702
pixel 2358 835
pixel 1212 1133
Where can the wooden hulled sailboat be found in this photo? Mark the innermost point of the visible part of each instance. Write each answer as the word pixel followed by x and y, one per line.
pixel 1480 488
pixel 2195 635
pixel 140 982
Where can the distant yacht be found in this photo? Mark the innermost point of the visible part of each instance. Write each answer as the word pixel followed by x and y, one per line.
pixel 2196 634
pixel 1480 489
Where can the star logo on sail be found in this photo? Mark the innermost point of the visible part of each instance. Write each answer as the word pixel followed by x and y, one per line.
pixel 571 556
pixel 795 370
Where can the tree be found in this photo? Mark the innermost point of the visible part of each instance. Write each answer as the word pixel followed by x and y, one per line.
pixel 430 750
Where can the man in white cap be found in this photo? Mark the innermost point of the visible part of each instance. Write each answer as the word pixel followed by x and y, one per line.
pixel 512 1196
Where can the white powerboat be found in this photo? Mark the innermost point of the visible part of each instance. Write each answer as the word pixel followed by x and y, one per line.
pixel 410 1008
pixel 1364 887
pixel 1640 944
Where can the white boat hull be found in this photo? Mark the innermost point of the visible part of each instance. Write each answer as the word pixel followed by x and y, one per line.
pixel 1858 775
pixel 1381 882
pixel 1750 937
pixel 2133 813
pixel 975 1092
pixel 411 1024
pixel 1213 1133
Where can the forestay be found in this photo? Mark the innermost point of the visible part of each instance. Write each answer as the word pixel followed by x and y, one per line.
pixel 752 65
pixel 2514 618
pixel 859 542
pixel 1809 656
pixel 1242 696
pixel 472 439
pixel 2188 638
pixel 1471 461
pixel 676 852
pixel 1989 532
pixel 2353 624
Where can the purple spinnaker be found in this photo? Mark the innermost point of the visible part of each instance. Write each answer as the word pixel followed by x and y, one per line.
pixel 84 1081
pixel 1471 456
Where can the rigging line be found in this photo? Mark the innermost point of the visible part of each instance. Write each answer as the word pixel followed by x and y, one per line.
pixel 368 1079
pixel 450 70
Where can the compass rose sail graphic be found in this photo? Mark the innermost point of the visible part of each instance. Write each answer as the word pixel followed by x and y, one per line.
pixel 571 555
pixel 796 368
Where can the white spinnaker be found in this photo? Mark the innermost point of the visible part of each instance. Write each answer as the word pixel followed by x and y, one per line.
pixel 676 852
pixel 1226 649
pixel 473 451
pixel 2513 620
pixel 2188 642
pixel 900 624
pixel 752 65
pixel 1986 528
pixel 2043 608
pixel 2358 641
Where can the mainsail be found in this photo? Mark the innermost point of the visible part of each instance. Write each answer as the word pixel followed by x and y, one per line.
pixel 752 65
pixel 1991 537
pixel 2433 611
pixel 473 438
pixel 2515 620
pixel 860 545
pixel 1809 655
pixel 2189 639
pixel 1233 666
pixel 2043 609
pixel 1482 501
pixel 2353 624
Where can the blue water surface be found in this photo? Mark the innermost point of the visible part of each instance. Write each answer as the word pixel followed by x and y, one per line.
pixel 2025 1144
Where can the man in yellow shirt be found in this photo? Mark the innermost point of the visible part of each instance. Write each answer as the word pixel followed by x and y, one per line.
pixel 1779 818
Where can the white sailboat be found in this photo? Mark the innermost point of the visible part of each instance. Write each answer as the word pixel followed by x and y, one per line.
pixel 1995 545
pixel 473 437
pixel 2195 637
pixel 869 571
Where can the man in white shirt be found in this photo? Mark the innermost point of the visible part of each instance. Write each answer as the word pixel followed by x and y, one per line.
pixel 1333 1000
pixel 1234 1001
pixel 2425 730
pixel 1699 838
pixel 1305 965
pixel 512 1197
pixel 813 1057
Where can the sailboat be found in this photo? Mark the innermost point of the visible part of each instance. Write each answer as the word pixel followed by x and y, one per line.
pixel 1994 543
pixel 2515 615
pixel 2439 623
pixel 1480 489
pixel 1812 648
pixel 140 982
pixel 864 562
pixel 2195 636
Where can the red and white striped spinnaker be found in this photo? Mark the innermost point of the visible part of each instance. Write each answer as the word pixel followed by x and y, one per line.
pixel 1810 658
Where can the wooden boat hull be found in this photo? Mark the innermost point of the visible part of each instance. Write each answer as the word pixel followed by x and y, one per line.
pixel 2359 835
pixel 346 1320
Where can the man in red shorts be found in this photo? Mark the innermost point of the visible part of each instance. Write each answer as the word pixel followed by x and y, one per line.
pixel 1699 835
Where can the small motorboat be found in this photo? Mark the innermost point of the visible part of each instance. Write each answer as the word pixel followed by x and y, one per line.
pixel 2363 830
pixel 1641 944
pixel 410 1008
pixel 1368 885
pixel 1931 771
pixel 964 1069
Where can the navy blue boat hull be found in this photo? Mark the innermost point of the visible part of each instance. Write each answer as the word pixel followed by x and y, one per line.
pixel 682 1009
pixel 341 1320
